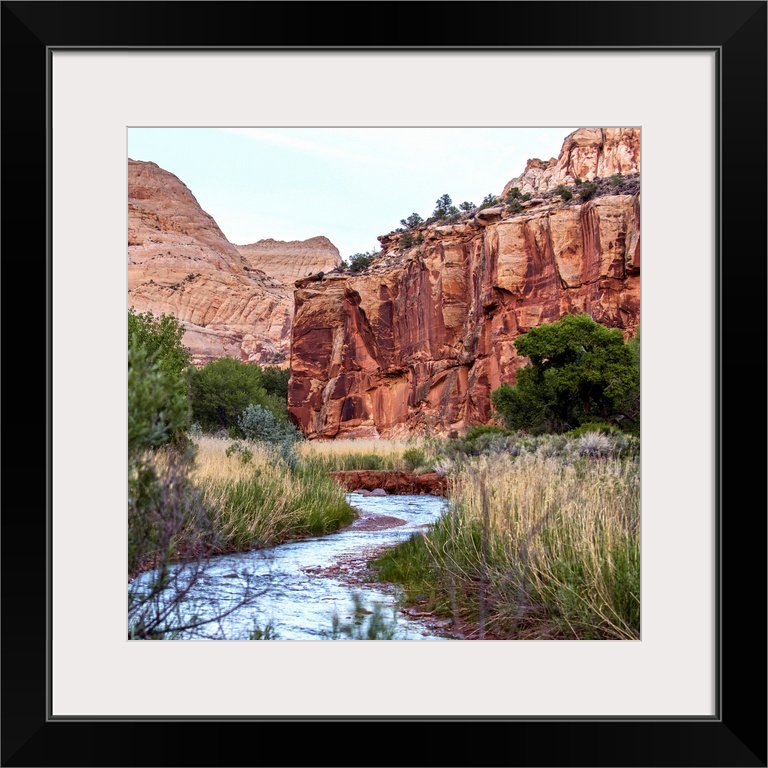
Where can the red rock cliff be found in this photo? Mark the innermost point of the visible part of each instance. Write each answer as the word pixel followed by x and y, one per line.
pixel 418 342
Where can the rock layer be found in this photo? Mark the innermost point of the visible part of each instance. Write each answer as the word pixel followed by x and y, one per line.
pixel 181 264
pixel 291 260
pixel 586 154
pixel 418 343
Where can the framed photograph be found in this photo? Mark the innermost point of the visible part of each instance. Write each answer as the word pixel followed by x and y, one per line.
pixel 691 76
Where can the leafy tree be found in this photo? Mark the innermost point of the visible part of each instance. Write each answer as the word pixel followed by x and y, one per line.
pixel 360 261
pixel 412 221
pixel 443 207
pixel 467 206
pixel 275 381
pixel 160 336
pixel 222 389
pixel 579 370
pixel 488 201
pixel 158 409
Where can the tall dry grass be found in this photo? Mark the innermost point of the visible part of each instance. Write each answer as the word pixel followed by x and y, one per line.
pixel 534 546
pixel 346 455
pixel 261 502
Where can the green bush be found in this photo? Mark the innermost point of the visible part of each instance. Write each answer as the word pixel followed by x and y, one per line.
pixel 617 179
pixel 360 261
pixel 412 221
pixel 579 371
pixel 222 389
pixel 413 457
pixel 406 241
pixel 160 336
pixel 587 190
pixel 275 381
pixel 484 429
pixel 564 192
pixel 488 201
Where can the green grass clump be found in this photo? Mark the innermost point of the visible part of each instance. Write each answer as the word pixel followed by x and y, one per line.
pixel 413 457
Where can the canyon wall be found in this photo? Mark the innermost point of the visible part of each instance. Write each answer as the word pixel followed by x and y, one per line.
pixel 231 302
pixel 418 343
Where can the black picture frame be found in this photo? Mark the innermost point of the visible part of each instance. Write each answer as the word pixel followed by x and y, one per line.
pixel 736 736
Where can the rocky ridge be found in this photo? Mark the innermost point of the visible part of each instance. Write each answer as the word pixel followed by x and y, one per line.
pixel 291 260
pixel 231 302
pixel 586 154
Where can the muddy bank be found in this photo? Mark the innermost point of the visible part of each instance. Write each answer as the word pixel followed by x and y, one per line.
pixel 392 482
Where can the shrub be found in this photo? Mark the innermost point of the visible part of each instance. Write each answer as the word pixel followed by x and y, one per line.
pixel 616 179
pixel 484 429
pixel 260 425
pixel 587 190
pixel 564 192
pixel 360 261
pixel 412 221
pixel 221 389
pixel 488 201
pixel 594 444
pixel 413 457
pixel 406 241
pixel 467 206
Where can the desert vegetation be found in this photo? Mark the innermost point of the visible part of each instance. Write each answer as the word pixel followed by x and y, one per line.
pixel 541 538
pixel 193 494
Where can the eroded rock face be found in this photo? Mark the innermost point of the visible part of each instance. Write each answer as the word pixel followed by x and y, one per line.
pixel 418 343
pixel 586 154
pixel 290 260
pixel 231 303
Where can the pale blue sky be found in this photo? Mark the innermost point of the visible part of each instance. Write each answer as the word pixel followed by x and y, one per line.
pixel 349 184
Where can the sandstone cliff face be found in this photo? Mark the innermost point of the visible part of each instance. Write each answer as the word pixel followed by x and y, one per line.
pixel 291 260
pixel 418 343
pixel 180 263
pixel 586 153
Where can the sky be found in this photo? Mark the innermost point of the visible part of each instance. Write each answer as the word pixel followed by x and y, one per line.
pixel 349 184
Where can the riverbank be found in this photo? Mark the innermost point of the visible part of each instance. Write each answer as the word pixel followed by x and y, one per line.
pixel 392 482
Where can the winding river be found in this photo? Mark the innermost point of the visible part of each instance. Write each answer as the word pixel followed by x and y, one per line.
pixel 301 585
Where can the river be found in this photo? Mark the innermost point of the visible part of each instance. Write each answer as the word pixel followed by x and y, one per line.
pixel 301 585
